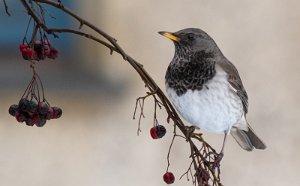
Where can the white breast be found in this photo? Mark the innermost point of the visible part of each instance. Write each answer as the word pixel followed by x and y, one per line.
pixel 215 108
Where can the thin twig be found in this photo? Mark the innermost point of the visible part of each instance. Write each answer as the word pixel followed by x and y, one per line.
pixel 6 7
pixel 202 158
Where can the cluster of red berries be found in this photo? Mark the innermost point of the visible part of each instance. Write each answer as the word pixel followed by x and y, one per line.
pixel 157 131
pixel 39 50
pixel 33 113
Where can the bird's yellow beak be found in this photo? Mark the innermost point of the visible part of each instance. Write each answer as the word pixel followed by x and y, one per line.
pixel 170 36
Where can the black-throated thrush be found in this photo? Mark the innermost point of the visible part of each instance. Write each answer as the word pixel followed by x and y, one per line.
pixel 206 88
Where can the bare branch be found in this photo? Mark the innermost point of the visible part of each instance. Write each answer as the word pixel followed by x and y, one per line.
pixel 205 161
pixel 6 7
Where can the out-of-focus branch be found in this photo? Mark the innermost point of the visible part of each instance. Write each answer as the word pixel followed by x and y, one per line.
pixel 203 156
pixel 6 7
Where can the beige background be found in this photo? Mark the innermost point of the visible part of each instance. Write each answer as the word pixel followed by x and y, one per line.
pixel 95 142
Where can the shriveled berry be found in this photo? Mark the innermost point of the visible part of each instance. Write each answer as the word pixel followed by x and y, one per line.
pixel 57 112
pixel 13 109
pixel 43 108
pixel 169 177
pixel 23 104
pixel 161 131
pixel 20 117
pixel 153 133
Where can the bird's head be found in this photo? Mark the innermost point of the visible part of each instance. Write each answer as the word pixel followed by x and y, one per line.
pixel 191 40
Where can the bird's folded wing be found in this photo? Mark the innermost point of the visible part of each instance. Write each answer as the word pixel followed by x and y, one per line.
pixel 236 82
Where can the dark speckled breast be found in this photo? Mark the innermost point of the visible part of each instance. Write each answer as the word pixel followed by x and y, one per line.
pixel 183 75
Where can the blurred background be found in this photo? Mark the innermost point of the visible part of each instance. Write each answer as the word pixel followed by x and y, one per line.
pixel 95 141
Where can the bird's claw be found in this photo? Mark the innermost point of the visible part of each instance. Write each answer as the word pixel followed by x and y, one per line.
pixel 190 132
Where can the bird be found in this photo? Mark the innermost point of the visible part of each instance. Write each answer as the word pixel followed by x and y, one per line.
pixel 206 88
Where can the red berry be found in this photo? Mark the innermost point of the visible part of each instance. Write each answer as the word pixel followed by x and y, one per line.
pixel 158 131
pixel 47 50
pixel 23 47
pixel 29 52
pixel 53 53
pixel 25 55
pixel 169 177
pixel 153 133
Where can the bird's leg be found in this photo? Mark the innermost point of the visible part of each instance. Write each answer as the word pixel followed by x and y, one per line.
pixel 226 133
pixel 220 156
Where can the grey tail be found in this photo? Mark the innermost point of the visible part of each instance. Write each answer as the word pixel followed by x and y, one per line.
pixel 247 139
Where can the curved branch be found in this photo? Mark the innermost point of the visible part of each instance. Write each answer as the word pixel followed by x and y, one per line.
pixel 201 158
pixel 84 22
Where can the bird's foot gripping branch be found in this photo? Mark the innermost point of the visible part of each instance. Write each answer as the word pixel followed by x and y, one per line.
pixel 204 168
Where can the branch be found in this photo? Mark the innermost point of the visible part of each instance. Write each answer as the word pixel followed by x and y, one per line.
pixel 6 7
pixel 84 22
pixel 204 159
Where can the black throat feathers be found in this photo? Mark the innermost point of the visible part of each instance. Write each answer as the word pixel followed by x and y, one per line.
pixel 190 74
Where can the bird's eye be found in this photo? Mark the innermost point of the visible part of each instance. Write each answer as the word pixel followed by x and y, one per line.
pixel 190 37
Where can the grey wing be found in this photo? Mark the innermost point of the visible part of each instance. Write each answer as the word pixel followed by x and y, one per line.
pixel 236 82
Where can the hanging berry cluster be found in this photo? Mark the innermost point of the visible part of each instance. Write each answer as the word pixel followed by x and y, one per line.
pixel 33 108
pixel 39 47
pixel 39 50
